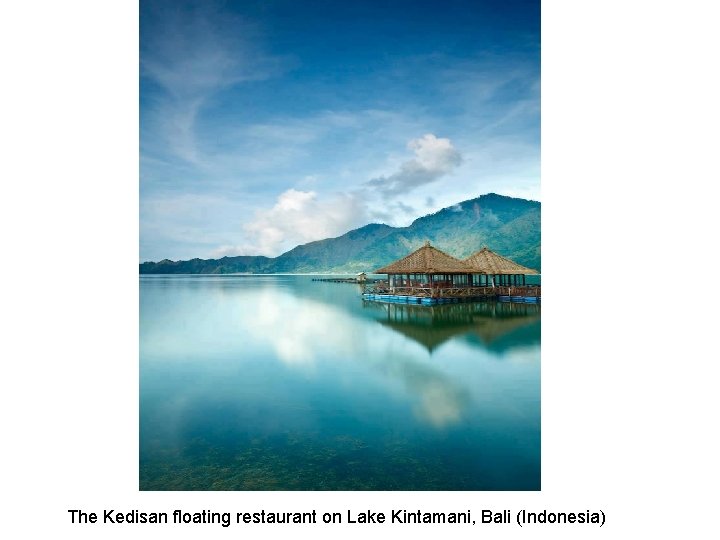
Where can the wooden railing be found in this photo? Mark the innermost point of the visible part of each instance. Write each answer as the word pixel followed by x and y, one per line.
pixel 452 291
pixel 526 290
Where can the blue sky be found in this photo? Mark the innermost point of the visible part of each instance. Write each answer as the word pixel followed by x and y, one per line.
pixel 268 124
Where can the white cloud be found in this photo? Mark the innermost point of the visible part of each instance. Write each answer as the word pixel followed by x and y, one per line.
pixel 299 217
pixel 435 154
pixel 434 158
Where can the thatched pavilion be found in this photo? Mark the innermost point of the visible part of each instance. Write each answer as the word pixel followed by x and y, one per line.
pixel 488 266
pixel 429 276
pixel 427 268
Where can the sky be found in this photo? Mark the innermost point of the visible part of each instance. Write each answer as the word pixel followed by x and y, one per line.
pixel 269 124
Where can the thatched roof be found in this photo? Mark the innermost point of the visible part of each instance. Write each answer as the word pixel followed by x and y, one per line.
pixel 426 260
pixel 489 262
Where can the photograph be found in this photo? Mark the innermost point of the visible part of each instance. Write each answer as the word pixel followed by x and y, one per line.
pixel 275 268
pixel 339 245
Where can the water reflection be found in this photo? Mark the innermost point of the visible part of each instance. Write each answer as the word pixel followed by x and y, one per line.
pixel 278 382
pixel 319 331
pixel 482 323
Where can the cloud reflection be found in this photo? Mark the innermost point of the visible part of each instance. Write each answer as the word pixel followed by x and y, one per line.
pixel 319 332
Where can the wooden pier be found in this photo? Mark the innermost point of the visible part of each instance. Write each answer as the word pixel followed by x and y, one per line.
pixel 347 280
pixel 381 292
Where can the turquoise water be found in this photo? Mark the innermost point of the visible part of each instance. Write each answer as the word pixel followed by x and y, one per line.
pixel 282 383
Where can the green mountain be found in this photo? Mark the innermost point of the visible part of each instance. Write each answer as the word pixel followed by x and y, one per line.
pixel 226 265
pixel 343 253
pixel 507 225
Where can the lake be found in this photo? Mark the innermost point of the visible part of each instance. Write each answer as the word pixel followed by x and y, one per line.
pixel 277 382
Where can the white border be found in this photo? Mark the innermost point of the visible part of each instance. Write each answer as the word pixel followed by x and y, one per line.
pixel 630 111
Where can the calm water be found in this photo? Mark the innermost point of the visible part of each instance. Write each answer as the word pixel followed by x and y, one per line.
pixel 279 382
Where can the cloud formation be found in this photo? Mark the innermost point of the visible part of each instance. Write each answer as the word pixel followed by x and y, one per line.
pixel 434 158
pixel 299 217
pixel 240 103
pixel 193 52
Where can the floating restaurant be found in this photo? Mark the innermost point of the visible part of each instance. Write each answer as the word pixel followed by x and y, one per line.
pixel 430 276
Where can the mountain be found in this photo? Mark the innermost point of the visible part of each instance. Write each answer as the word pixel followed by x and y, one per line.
pixel 334 254
pixel 507 225
pixel 226 265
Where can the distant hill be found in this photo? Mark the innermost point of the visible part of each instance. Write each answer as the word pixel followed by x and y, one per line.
pixel 507 225
pixel 226 265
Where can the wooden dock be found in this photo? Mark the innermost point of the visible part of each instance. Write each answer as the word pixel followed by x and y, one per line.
pixel 448 295
pixel 347 280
